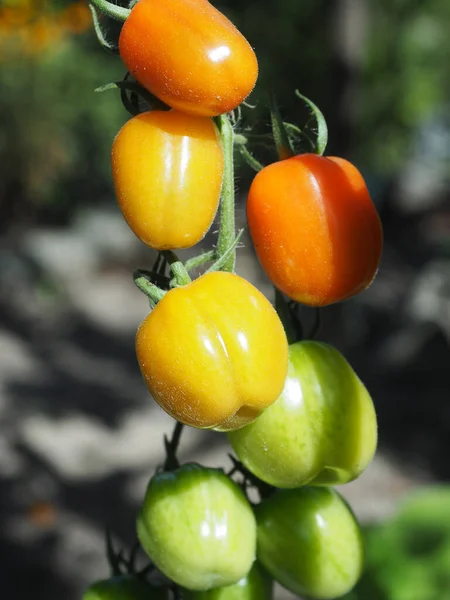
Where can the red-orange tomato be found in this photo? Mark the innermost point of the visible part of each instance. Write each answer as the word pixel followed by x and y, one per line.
pixel 315 228
pixel 189 55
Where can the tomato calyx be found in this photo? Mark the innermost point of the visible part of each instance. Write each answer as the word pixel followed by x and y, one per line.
pixel 123 564
pixel 135 98
pixel 289 313
pixel 280 135
pixel 154 284
pixel 322 128
pixel 289 139
pixel 249 480
pixel 171 447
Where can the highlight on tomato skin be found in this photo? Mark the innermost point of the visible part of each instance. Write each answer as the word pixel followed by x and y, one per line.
pixel 315 229
pixel 167 170
pixel 189 55
pixel 213 353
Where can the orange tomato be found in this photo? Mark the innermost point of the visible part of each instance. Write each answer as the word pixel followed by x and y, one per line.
pixel 213 353
pixel 315 228
pixel 167 170
pixel 189 55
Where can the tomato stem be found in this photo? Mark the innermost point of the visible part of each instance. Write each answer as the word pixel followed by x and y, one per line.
pixel 316 324
pixel 153 292
pixel 119 13
pixel 112 556
pixel 250 159
pixel 198 261
pixel 178 269
pixel 296 131
pixel 264 489
pixel 279 132
pixel 291 323
pixel 218 265
pixel 227 216
pixel 171 447
pixel 100 34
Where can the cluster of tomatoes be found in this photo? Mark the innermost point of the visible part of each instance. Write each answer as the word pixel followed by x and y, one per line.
pixel 214 352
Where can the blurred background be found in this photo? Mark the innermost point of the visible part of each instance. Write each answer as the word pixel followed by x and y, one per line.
pixel 79 434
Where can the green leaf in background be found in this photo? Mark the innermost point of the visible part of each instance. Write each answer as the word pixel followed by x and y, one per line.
pixel 408 556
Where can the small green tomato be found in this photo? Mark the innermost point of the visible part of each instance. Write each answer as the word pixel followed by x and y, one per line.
pixel 322 430
pixel 257 585
pixel 124 587
pixel 198 527
pixel 310 542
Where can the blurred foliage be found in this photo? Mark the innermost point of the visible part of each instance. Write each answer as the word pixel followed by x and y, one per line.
pixel 376 69
pixel 403 77
pixel 408 556
pixel 55 133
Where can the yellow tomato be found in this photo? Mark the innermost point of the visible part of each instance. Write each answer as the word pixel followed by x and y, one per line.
pixel 213 353
pixel 167 170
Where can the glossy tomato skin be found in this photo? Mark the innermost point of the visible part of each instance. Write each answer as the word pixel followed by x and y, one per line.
pixel 310 542
pixel 322 430
pixel 257 585
pixel 213 353
pixel 315 228
pixel 198 527
pixel 189 55
pixel 167 170
pixel 124 587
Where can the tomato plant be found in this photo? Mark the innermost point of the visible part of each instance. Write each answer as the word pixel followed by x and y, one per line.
pixel 124 587
pixel 257 585
pixel 309 541
pixel 189 55
pixel 223 356
pixel 159 161
pixel 315 228
pixel 198 527
pixel 322 429
pixel 213 351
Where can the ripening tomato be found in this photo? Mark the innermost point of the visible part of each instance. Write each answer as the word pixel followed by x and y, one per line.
pixel 189 55
pixel 310 542
pixel 124 587
pixel 198 527
pixel 315 228
pixel 257 585
pixel 167 170
pixel 322 430
pixel 213 353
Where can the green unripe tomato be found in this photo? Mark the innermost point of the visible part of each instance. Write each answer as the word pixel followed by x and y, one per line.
pixel 198 527
pixel 257 585
pixel 309 541
pixel 322 430
pixel 124 587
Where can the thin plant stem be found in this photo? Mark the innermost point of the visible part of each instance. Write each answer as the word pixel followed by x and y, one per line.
pixel 119 13
pixel 171 447
pixel 148 288
pixel 227 216
pixel 178 269
pixel 198 261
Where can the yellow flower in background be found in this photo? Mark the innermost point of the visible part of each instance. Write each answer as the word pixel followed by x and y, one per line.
pixel 30 27
pixel 76 18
